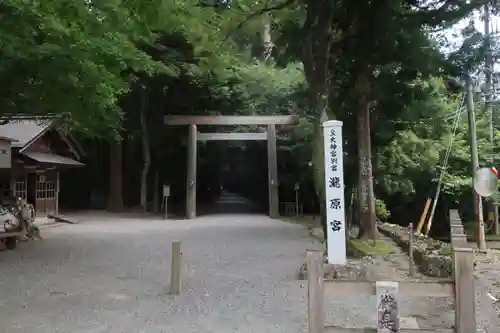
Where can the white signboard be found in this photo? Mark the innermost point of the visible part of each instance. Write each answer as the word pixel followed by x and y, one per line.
pixel 334 192
pixel 166 190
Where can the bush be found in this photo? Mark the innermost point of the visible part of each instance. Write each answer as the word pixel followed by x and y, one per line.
pixel 381 210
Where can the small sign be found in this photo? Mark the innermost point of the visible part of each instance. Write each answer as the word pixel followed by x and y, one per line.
pixel 387 306
pixel 334 192
pixel 166 190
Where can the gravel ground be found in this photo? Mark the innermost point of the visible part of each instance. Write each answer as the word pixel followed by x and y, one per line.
pixel 111 274
pixel 487 280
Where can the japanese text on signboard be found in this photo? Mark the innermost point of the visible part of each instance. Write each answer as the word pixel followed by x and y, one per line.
pixel 334 181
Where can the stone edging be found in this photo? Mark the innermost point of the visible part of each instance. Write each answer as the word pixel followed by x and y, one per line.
pixel 432 257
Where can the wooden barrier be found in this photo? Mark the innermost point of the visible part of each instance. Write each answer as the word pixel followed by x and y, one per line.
pixel 176 269
pixel 389 294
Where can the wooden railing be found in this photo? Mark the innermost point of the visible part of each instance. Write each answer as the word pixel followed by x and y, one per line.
pixel 389 293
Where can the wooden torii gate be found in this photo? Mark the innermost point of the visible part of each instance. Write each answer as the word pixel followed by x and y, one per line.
pixel 194 137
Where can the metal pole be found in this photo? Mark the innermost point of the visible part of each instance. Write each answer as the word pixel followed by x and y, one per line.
pixel 487 104
pixel 478 205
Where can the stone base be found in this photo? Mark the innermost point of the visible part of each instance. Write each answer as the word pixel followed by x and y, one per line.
pixel 405 323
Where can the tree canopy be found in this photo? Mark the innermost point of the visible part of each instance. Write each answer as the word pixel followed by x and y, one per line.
pixel 112 69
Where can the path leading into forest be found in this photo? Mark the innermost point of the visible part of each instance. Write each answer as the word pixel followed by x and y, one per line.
pixel 111 274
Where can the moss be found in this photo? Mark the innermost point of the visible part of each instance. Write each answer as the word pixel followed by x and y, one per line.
pixel 360 248
pixel 445 251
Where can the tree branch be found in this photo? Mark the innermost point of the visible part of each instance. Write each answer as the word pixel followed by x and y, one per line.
pixel 260 12
pixel 449 12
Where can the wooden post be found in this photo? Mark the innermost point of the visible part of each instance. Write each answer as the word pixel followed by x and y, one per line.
pixel 458 240
pixel 455 218
pixel 175 269
pixel 272 163
pixel 315 292
pixel 191 173
pixel 58 186
pixel 165 215
pixel 465 294
pixel 424 215
pixel 410 250
pixel 457 229
pixel 387 306
pixel 165 195
pixel 156 196
pixel 297 209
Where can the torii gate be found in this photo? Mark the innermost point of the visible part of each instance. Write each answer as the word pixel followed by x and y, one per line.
pixel 194 137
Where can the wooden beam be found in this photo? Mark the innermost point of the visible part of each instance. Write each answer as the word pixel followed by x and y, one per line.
pixel 465 313
pixel 232 136
pixel 58 189
pixel 191 173
pixel 315 292
pixel 336 288
pixel 272 163
pixel 230 120
pixel 176 269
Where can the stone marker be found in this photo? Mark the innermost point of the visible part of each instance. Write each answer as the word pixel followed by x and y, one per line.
pixel 387 307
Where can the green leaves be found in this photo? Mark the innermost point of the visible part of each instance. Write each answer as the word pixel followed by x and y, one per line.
pixel 69 58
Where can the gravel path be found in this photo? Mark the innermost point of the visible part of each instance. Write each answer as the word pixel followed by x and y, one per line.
pixel 111 275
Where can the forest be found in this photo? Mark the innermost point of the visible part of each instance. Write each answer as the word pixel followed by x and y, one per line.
pixel 388 69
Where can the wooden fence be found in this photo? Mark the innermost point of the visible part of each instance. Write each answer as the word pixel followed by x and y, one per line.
pixel 389 293
pixel 292 208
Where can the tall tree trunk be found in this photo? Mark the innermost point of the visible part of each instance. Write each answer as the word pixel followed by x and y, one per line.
pixel 267 43
pixel 146 153
pixel 318 34
pixel 318 157
pixel 366 196
pixel 115 194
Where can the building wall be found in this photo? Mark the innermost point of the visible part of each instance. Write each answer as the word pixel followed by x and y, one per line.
pixel 5 154
pixel 38 183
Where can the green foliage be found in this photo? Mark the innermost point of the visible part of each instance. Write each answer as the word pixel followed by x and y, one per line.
pixel 267 89
pixel 417 146
pixel 381 210
pixel 68 58
pixel 98 64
